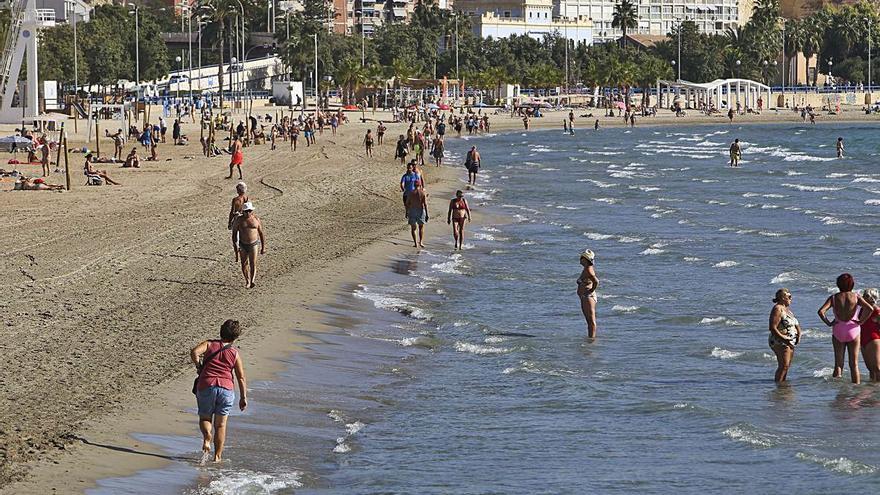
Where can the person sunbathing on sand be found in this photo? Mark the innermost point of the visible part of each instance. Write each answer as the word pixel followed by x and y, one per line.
pixel 28 184
pixel 89 170
pixel 215 361
pixel 132 160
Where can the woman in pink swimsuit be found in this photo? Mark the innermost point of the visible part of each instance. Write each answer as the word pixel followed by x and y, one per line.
pixel 846 326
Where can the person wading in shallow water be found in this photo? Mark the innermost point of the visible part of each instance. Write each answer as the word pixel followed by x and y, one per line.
pixel 587 284
pixel 215 361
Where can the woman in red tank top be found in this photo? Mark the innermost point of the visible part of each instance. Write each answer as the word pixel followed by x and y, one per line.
pixel 216 361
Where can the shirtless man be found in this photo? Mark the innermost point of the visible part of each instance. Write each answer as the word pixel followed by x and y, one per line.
pixel 368 143
pixel 735 153
pixel 118 141
pixel 237 158
pixel 247 234
pixel 417 213
pixel 840 147
pixel 237 203
pixel 472 163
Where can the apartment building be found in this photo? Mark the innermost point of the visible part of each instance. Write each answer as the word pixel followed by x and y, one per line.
pixel 363 17
pixel 658 17
pixel 535 18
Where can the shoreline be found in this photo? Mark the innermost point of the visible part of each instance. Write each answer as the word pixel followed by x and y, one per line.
pixel 113 451
pixel 274 342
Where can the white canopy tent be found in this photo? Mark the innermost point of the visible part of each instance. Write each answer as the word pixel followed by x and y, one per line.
pixel 748 93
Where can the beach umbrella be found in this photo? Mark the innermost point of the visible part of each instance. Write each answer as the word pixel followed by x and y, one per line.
pixel 444 106
pixel 15 142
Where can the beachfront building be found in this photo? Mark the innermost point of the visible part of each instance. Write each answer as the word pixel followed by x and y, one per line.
pixel 718 95
pixel 658 18
pixel 534 18
pixel 363 17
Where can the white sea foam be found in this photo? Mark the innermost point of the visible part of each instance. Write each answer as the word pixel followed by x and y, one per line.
pixel 807 158
pixel 872 202
pixel 341 447
pixel 840 465
pixel 771 234
pixel 724 353
pixel 493 340
pixel 803 187
pixel 483 236
pixel 479 349
pixel 335 416
pixel 610 201
pixel 831 220
pixel 783 278
pixel 451 266
pixel 823 373
pixel 725 264
pixel 651 251
pixel 354 428
pixel 865 179
pixel 750 436
pixel 692 259
pixel 628 240
pixel 624 309
pixel 722 320
pixel 793 172
pixel 385 301
pixel 597 237
pixel 836 175
pixel 251 482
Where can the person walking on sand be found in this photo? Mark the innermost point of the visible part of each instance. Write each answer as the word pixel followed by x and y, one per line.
pixel 587 284
pixel 368 143
pixel 380 133
pixel 402 149
pixel 247 235
pixel 730 115
pixel 409 181
pixel 459 213
pixel 472 163
pixel 237 158
pixel 735 153
pixel 785 333
pixel 437 150
pixel 237 204
pixel 417 214
pixel 850 310
pixel 840 147
pixel 215 362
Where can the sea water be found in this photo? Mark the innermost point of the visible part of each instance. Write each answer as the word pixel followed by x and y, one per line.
pixel 469 372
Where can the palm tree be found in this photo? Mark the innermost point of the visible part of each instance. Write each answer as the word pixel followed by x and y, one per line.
pixel 813 34
pixel 218 12
pixel 401 70
pixel 794 44
pixel 625 17
pixel 349 75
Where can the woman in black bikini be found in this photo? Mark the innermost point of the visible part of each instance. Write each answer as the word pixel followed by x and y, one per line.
pixel 458 214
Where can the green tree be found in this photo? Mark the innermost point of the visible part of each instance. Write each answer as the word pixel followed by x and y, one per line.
pixel 625 17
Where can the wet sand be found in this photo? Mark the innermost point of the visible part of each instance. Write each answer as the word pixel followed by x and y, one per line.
pixel 109 287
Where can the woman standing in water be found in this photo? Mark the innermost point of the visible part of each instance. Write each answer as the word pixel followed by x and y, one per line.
pixel 870 338
pixel 846 326
pixel 785 333
pixel 587 285
pixel 458 213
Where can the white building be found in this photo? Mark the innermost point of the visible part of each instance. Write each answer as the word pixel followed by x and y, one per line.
pixel 657 17
pixel 534 18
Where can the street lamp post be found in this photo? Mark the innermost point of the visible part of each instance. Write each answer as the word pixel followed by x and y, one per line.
pixel 868 20
pixel 679 51
pixel 179 60
pixel 232 77
pixel 783 60
pixel 317 98
pixel 137 46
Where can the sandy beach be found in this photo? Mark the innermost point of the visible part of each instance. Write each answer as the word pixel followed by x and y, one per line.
pixel 109 287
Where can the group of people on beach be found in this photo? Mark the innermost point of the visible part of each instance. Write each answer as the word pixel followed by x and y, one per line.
pixel 855 325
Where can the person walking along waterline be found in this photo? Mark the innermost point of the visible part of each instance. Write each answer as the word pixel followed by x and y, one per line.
pixel 587 284
pixel 215 361
pixel 247 234
pixel 846 326
pixel 785 333
pixel 459 213
pixel 472 163
pixel 417 214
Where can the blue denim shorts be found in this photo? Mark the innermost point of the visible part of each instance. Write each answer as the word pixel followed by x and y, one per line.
pixel 215 400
